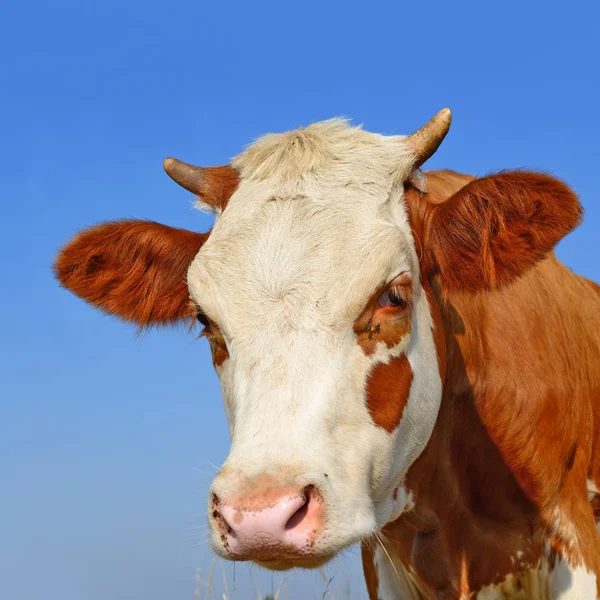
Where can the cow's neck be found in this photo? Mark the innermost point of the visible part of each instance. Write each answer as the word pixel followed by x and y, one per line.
pixel 467 501
pixel 479 483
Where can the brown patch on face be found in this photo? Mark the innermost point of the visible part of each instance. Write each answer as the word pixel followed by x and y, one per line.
pixel 388 325
pixel 388 388
pixel 218 349
pixel 212 333
pixel 388 385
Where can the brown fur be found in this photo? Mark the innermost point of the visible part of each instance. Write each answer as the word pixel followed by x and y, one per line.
pixel 385 400
pixel 496 228
pixel 218 350
pixel 368 562
pixel 389 325
pixel 518 430
pixel 135 270
pixel 219 185
pixel 388 388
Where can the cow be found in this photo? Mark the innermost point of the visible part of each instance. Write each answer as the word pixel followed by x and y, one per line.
pixel 403 360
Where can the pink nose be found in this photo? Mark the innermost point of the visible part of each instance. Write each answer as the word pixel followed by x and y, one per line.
pixel 273 525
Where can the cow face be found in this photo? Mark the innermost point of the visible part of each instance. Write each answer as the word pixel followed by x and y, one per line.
pixel 312 292
pixel 309 290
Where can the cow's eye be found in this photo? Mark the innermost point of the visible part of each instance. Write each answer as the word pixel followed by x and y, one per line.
pixel 202 320
pixel 395 297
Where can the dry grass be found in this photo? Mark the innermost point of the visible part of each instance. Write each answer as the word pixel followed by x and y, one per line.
pixel 282 586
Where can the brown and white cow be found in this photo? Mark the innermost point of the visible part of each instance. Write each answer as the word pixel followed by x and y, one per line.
pixel 403 360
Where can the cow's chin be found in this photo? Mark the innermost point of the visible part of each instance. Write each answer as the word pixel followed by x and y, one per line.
pixel 305 562
pixel 281 562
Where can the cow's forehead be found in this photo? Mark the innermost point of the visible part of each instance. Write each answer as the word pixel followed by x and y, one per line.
pixel 323 150
pixel 317 218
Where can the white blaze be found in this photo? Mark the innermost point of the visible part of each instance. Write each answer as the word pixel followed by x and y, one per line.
pixel 315 227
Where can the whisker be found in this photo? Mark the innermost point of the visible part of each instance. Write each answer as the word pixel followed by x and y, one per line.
pixel 388 557
pixel 217 469
pixel 205 473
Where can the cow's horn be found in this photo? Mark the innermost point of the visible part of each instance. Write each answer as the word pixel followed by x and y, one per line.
pixel 214 185
pixel 187 176
pixel 427 140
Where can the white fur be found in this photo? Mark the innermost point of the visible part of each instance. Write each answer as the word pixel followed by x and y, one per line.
pixel 394 582
pixel 592 489
pixel 316 225
pixel 568 583
pixel 544 581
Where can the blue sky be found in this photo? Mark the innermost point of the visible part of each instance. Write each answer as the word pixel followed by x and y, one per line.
pixel 107 440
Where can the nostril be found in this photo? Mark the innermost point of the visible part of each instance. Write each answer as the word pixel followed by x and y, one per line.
pixel 296 519
pixel 222 525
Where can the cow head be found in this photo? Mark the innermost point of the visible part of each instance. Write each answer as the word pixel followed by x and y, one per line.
pixel 312 291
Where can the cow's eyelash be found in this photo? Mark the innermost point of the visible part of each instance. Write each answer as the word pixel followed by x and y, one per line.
pixel 400 293
pixel 399 296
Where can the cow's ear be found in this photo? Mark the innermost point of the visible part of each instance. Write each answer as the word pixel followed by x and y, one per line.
pixel 497 227
pixel 135 270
